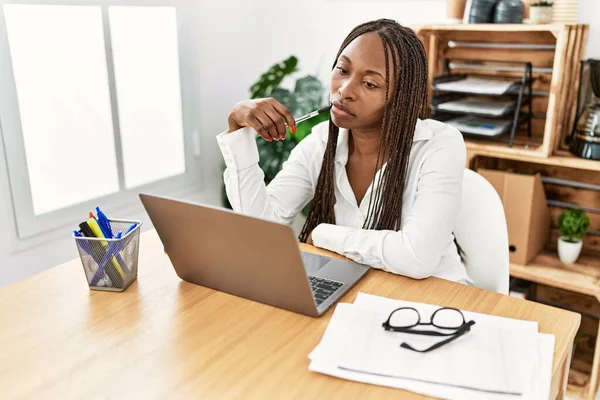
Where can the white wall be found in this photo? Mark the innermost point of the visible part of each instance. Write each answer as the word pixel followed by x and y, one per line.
pixel 315 30
pixel 589 13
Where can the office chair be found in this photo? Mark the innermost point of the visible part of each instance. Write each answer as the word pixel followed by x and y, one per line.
pixel 482 234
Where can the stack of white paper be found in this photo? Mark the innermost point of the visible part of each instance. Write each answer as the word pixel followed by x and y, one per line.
pixel 480 125
pixel 476 85
pixel 480 106
pixel 500 358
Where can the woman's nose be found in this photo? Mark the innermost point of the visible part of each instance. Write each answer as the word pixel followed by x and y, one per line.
pixel 347 89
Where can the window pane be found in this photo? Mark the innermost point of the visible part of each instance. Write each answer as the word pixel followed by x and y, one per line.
pixel 146 60
pixel 59 66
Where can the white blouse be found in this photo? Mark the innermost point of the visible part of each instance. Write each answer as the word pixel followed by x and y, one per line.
pixel 423 246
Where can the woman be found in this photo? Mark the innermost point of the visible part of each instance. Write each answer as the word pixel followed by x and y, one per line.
pixel 385 185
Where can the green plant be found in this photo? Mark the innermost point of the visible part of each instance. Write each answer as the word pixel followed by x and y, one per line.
pixel 306 96
pixel 541 4
pixel 573 225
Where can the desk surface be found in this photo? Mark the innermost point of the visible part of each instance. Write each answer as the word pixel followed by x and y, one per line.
pixel 163 337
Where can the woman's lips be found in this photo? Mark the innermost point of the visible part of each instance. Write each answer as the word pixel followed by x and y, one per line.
pixel 341 111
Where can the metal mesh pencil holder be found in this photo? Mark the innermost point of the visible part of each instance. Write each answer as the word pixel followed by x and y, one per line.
pixel 111 264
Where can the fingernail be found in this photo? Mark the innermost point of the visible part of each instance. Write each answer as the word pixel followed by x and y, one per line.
pixel 294 129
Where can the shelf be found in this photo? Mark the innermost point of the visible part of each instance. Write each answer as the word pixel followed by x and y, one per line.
pixel 577 392
pixel 512 91
pixel 510 112
pixel 546 269
pixel 579 378
pixel 449 77
pixel 492 27
pixel 523 148
pixel 523 151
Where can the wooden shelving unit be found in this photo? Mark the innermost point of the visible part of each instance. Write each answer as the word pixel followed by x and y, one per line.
pixel 581 278
pixel 555 52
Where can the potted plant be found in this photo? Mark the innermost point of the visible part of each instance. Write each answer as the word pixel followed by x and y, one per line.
pixel 540 12
pixel 307 95
pixel 573 225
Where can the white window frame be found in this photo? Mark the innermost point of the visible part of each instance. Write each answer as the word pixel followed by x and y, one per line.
pixel 28 224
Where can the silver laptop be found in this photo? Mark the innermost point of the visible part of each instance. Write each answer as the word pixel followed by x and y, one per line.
pixel 248 257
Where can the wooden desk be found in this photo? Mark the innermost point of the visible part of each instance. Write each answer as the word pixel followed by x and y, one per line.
pixel 165 338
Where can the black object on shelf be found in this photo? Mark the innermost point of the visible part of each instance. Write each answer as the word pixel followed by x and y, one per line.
pixel 522 89
pixel 585 137
pixel 509 12
pixel 482 11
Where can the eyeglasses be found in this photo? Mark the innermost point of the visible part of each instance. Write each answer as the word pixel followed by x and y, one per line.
pixel 405 319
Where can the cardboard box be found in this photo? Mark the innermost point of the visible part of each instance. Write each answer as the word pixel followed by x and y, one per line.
pixel 527 215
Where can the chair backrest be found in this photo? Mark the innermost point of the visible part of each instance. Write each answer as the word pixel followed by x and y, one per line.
pixel 482 234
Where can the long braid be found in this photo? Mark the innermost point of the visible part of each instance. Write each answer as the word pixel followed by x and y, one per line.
pixel 408 102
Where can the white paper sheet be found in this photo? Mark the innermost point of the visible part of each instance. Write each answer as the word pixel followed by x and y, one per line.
pixel 534 364
pixel 480 125
pixel 476 85
pixel 479 106
pixel 479 360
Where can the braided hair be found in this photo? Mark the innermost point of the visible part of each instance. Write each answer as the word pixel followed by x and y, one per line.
pixel 406 101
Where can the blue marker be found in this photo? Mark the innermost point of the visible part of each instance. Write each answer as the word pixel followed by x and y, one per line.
pixel 132 227
pixel 104 224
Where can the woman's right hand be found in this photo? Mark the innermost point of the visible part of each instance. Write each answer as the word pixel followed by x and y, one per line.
pixel 266 116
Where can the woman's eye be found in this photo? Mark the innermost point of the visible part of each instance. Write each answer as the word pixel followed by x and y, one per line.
pixel 370 85
pixel 342 70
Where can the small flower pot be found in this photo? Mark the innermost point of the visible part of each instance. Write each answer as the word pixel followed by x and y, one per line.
pixel 540 15
pixel 568 252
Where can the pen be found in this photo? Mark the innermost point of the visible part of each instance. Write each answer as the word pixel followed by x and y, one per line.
pixel 104 224
pixel 132 227
pixel 313 114
pixel 98 233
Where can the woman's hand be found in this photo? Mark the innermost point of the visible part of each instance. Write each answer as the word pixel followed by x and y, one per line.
pixel 266 116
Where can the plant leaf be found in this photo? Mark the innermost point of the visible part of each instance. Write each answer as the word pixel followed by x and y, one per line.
pixel 573 224
pixel 271 79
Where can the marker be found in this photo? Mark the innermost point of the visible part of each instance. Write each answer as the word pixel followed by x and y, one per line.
pixel 98 232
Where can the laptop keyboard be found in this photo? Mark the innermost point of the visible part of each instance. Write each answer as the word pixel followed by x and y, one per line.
pixel 323 288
